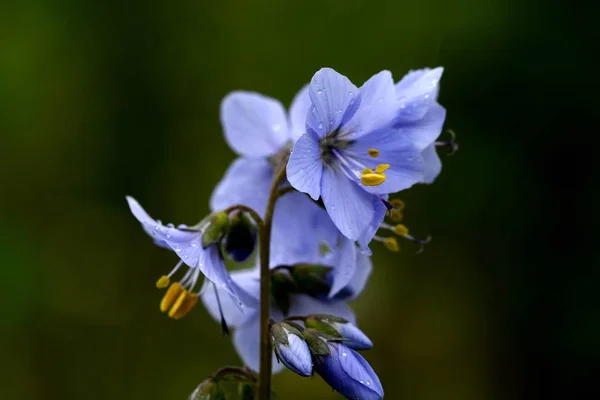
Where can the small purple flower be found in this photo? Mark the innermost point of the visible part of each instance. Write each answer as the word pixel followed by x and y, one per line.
pixel 246 325
pixel 186 242
pixel 348 373
pixel 351 151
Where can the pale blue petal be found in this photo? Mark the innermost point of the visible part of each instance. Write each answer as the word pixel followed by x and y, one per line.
pixel 246 341
pixel 349 206
pixel 356 339
pixel 378 217
pixel 298 113
pixel 296 356
pixel 247 182
pixel 418 94
pixel 425 131
pixel 305 305
pixel 408 80
pixel 304 168
pixel 254 125
pixel 359 369
pixel 378 106
pixel 247 280
pixel 344 269
pixel 364 266
pixel 334 101
pixel 433 164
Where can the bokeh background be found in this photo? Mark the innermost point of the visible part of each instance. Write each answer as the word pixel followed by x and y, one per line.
pixel 100 99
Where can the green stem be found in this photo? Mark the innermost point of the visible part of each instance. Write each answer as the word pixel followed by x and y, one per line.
pixel 246 209
pixel 264 378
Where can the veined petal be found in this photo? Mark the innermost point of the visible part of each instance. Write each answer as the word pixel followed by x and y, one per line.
pixel 349 206
pixel 378 106
pixel 305 305
pixel 334 101
pixel 247 181
pixel 298 113
pixel 359 369
pixel 304 168
pixel 378 217
pixel 363 269
pixel 254 125
pixel 246 341
pixel 433 164
pixel 186 244
pixel 344 268
pixel 355 338
pixel 425 131
pixel 247 280
pixel 413 76
pixel 296 356
pixel 418 93
pixel 213 267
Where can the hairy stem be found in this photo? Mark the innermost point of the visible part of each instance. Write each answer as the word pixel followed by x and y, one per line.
pixel 264 378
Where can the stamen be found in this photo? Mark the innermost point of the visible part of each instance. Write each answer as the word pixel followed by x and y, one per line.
pixel 373 153
pixel 401 230
pixel 185 302
pixel 224 327
pixel 163 282
pixel 171 296
pixel 175 269
pixel 398 204
pixel 381 168
pixel 367 171
pixel 396 215
pixel 370 179
pixel 450 143
pixel 391 244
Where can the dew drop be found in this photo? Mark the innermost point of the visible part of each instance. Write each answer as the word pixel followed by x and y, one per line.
pixel 351 93
pixel 344 354
pixel 426 96
pixel 319 91
pixel 194 244
pixel 314 110
pixel 276 127
pixel 339 111
pixel 320 126
pixel 368 383
pixel 362 382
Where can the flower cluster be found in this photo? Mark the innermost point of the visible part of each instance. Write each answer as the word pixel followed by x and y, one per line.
pixel 313 187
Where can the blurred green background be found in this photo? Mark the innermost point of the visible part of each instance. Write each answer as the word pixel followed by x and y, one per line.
pixel 103 99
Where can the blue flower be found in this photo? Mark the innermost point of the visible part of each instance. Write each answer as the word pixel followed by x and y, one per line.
pixel 186 242
pixel 355 148
pixel 348 373
pixel 246 325
pixel 421 116
pixel 291 349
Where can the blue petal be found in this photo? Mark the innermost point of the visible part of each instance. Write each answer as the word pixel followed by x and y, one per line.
pixel 186 244
pixel 357 340
pixel 304 168
pixel 378 107
pixel 378 217
pixel 300 227
pixel 246 341
pixel 335 100
pixel 397 150
pixel 247 182
pixel 364 266
pixel 425 131
pixel 345 267
pixel 349 206
pixel 418 93
pixel 246 280
pixel 254 125
pixel 334 370
pixel 298 113
pixel 433 164
pixel 296 356
pixel 305 305
pixel 409 80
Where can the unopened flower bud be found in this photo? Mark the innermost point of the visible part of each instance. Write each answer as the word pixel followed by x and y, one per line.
pixel 339 327
pixel 316 343
pixel 216 226
pixel 208 390
pixel 291 349
pixel 240 241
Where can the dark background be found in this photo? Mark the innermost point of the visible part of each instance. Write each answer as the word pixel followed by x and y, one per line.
pixel 103 99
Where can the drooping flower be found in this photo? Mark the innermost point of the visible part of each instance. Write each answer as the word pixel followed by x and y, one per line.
pixel 421 117
pixel 204 258
pixel 246 325
pixel 348 373
pixel 353 150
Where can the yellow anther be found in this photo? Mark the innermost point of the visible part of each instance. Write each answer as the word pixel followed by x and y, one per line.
pixel 391 244
pixel 396 215
pixel 401 230
pixel 373 153
pixel 381 168
pixel 397 204
pixel 171 296
pixel 163 282
pixel 185 302
pixel 368 178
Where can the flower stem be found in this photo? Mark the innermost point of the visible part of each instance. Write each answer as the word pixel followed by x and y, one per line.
pixel 246 209
pixel 264 378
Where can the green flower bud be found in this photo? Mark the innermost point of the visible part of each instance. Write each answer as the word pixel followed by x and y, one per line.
pixel 208 390
pixel 216 225
pixel 316 343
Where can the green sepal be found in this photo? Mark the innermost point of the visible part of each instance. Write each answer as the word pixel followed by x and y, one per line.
pixel 322 326
pixel 310 279
pixel 216 228
pixel 316 343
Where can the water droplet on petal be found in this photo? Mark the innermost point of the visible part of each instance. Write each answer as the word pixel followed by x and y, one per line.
pixel 276 127
pixel 319 91
pixel 351 93
pixel 344 354
pixel 320 126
